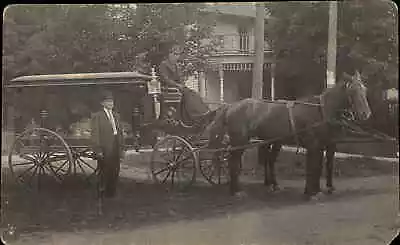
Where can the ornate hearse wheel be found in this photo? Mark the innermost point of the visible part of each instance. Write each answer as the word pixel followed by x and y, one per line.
pixel 39 154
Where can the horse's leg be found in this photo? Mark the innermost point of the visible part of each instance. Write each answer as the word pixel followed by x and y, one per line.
pixel 263 154
pixel 234 169
pixel 330 155
pixel 313 171
pixel 273 155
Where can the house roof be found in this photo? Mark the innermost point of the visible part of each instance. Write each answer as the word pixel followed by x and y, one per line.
pixel 238 9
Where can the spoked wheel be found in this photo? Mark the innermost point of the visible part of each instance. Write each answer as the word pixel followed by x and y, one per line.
pixel 173 162
pixel 84 162
pixel 39 154
pixel 214 167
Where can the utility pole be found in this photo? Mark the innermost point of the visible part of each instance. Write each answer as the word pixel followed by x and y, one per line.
pixel 257 88
pixel 331 61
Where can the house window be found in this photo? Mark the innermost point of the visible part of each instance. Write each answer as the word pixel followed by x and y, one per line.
pixel 221 41
pixel 243 40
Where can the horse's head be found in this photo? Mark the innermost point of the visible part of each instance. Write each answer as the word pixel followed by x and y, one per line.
pixel 356 93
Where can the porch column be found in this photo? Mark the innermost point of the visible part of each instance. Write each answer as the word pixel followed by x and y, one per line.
pixel 221 83
pixel 202 84
pixel 273 81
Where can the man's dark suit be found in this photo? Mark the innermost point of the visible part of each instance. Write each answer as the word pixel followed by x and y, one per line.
pixel 192 101
pixel 108 147
pixel 170 72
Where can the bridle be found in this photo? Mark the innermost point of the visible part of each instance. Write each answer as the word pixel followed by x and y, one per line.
pixel 349 112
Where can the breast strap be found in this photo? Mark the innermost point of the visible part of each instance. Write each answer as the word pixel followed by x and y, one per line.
pixel 290 106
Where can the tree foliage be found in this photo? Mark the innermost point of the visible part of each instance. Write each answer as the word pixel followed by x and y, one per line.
pixel 367 39
pixel 50 39
pixel 45 39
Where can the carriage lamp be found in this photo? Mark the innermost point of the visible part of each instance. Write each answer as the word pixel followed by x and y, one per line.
pixel 154 86
pixel 43 116
pixel 154 89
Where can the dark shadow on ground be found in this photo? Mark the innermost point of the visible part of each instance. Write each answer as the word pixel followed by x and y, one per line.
pixel 72 206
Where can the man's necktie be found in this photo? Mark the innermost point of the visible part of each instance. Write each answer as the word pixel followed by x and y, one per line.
pixel 111 118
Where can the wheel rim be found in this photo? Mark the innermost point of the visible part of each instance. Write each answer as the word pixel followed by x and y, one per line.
pixel 173 163
pixel 215 172
pixel 38 154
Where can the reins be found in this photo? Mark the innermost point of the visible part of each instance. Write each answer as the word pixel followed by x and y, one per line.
pixel 264 142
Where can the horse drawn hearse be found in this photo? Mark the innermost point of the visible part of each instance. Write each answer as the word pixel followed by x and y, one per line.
pixel 52 148
pixel 57 109
pixel 52 139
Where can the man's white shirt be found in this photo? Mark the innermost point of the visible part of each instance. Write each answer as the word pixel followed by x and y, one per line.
pixel 112 120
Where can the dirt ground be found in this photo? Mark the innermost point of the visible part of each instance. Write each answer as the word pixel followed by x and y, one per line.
pixel 363 210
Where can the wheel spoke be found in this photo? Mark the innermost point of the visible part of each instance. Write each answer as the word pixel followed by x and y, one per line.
pixel 87 164
pixel 26 157
pixel 180 154
pixel 182 160
pixel 23 163
pixel 59 178
pixel 162 170
pixel 80 166
pixel 59 168
pixel 166 177
pixel 34 172
pixel 26 171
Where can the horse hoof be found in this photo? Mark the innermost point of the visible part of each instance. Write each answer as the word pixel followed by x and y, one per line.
pixel 269 188
pixel 330 190
pixel 314 198
pixel 240 195
pixel 273 188
pixel 276 188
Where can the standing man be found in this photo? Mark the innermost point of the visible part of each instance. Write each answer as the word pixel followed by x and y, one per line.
pixel 107 140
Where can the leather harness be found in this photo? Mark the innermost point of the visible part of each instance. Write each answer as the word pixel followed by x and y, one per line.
pixel 290 105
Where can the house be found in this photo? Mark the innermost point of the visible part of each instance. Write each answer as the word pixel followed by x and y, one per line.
pixel 229 77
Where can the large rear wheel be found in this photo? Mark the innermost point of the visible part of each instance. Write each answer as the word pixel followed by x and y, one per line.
pixel 37 155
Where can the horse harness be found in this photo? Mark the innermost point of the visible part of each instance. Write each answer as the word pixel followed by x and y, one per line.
pixel 290 105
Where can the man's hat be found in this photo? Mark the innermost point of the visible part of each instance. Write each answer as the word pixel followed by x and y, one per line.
pixel 106 95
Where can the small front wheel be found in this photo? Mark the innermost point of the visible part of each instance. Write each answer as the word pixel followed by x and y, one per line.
pixel 173 161
pixel 214 167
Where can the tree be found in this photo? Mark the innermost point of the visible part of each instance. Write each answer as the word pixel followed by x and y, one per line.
pixel 154 28
pixel 297 32
pixel 49 39
pixel 367 40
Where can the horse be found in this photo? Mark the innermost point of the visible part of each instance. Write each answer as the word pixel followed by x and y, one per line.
pixel 307 123
pixel 269 153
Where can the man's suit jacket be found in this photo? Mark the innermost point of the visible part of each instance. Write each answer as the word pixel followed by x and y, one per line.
pixel 169 72
pixel 102 133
